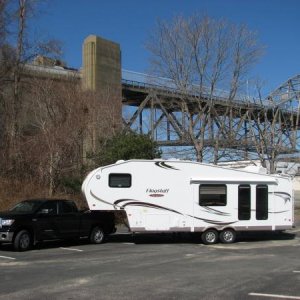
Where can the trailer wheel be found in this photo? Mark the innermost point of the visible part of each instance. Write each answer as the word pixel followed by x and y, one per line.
pixel 97 235
pixel 22 241
pixel 209 237
pixel 227 236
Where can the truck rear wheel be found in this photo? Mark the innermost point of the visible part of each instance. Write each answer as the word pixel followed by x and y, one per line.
pixel 22 241
pixel 97 235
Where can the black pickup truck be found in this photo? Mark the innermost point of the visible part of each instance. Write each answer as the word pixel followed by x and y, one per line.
pixel 32 221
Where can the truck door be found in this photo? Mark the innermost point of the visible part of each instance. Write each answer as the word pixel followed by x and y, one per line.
pixel 46 221
pixel 68 219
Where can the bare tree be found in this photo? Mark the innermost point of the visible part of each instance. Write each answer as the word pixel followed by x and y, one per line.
pixel 14 56
pixel 48 133
pixel 59 124
pixel 274 123
pixel 4 19
pixel 206 60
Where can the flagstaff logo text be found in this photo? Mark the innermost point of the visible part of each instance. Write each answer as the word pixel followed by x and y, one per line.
pixel 157 192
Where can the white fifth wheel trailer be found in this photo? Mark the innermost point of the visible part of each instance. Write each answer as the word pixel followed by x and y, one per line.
pixel 185 196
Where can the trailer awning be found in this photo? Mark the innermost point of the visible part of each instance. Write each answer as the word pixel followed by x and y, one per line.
pixel 234 180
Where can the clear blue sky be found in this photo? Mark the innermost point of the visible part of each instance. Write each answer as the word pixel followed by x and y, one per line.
pixel 128 22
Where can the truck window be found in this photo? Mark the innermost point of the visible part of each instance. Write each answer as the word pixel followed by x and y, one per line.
pixel 119 180
pixel 261 202
pixel 49 208
pixel 212 195
pixel 66 207
pixel 244 202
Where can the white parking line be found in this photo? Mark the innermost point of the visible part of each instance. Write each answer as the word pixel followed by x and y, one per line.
pixel 274 296
pixel 296 271
pixel 71 249
pixel 7 257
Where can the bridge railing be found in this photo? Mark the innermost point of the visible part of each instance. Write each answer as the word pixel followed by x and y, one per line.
pixel 166 85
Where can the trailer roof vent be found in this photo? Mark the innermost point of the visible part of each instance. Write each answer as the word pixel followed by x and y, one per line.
pixel 256 169
pixel 120 161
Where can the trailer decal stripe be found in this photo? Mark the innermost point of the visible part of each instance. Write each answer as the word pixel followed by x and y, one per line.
pixel 277 212
pixel 273 212
pixel 163 165
pixel 216 212
pixel 93 195
pixel 285 196
pixel 213 221
pixel 137 203
pixel 282 193
pixel 122 200
pixel 150 205
pixel 146 204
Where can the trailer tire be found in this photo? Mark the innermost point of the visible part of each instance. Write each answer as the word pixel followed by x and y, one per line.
pixel 97 235
pixel 227 236
pixel 22 241
pixel 209 237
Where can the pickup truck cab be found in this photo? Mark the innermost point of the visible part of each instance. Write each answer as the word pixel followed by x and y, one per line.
pixel 33 221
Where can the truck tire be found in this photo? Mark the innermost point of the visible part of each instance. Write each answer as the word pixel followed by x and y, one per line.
pixel 97 235
pixel 227 236
pixel 22 241
pixel 209 237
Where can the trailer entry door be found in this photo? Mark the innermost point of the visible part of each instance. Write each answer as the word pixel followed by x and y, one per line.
pixel 244 202
pixel 261 202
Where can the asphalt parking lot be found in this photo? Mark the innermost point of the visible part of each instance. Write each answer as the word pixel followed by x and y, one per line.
pixel 258 266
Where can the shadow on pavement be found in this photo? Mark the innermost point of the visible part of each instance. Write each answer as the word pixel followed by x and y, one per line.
pixel 195 238
pixel 159 238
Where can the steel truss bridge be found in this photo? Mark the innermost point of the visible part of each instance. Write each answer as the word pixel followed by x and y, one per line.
pixel 153 106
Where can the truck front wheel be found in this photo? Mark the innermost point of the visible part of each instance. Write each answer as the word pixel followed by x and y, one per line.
pixel 22 241
pixel 97 235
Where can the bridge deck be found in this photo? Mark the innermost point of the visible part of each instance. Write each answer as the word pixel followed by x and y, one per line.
pixel 134 93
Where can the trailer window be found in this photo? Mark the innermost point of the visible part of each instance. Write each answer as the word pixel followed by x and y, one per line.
pixel 261 202
pixel 119 180
pixel 244 202
pixel 212 195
